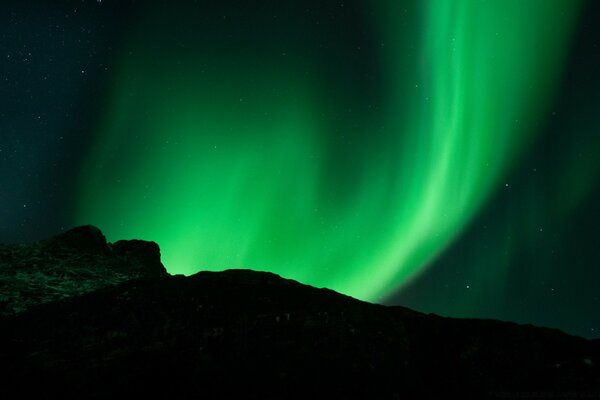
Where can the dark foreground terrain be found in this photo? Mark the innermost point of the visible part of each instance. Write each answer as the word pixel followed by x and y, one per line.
pixel 82 318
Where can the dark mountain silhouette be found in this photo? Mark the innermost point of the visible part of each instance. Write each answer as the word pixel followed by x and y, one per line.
pixel 87 319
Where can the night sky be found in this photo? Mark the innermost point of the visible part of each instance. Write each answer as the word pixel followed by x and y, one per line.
pixel 440 155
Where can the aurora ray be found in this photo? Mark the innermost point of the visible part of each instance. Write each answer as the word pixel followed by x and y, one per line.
pixel 239 155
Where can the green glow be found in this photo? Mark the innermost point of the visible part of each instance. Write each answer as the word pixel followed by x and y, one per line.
pixel 232 161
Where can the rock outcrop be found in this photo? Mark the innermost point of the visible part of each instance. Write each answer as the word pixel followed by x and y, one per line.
pixel 75 262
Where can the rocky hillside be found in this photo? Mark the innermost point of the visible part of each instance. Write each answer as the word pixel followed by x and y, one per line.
pixel 75 262
pixel 139 332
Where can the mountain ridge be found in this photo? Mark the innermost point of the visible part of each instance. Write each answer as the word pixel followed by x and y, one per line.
pixel 256 334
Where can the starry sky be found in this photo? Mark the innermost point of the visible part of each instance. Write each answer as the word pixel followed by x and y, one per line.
pixel 440 155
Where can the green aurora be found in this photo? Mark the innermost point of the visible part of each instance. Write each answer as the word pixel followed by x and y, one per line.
pixel 234 145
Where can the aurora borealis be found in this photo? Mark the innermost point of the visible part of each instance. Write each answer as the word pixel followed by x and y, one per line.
pixel 406 152
pixel 243 154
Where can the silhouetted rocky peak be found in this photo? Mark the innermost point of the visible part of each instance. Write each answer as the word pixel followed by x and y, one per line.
pixel 86 238
pixel 145 254
pixel 77 261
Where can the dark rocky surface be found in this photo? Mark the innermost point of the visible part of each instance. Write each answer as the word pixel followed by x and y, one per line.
pixel 248 334
pixel 72 263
